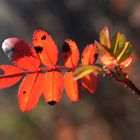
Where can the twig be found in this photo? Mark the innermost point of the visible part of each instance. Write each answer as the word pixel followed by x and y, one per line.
pixel 122 77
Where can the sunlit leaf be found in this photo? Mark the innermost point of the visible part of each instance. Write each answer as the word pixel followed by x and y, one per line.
pixel 104 37
pixel 121 48
pixel 126 63
pixel 118 53
pixel 125 53
pixel 118 43
pixel 70 53
pixel 10 75
pixel 87 69
pixel 72 87
pixel 45 47
pixel 20 53
pixel 105 57
pixel 90 82
pixel 30 91
pixel 89 55
pixel 54 86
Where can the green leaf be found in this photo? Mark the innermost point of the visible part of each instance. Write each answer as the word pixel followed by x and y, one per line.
pixel 114 44
pixel 85 70
pixel 121 49
pixel 126 52
pixel 118 43
pixel 115 54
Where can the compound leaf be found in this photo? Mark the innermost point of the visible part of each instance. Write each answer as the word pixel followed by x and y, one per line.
pixel 119 52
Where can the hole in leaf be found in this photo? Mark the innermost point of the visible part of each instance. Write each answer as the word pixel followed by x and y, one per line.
pixel 38 49
pixel 96 55
pixel 65 56
pixel 66 48
pixel 43 37
pixel 52 102
pixel 24 92
pixel 1 72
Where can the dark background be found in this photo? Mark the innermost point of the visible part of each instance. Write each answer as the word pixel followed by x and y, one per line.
pixel 113 112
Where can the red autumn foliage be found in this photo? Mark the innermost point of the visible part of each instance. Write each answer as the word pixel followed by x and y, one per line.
pixel 49 80
pixel 89 57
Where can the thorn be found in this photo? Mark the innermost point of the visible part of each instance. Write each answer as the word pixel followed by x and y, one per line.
pixel 125 86
pixel 127 76
pixel 133 92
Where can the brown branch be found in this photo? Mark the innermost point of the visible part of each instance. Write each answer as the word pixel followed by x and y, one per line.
pixel 122 77
pixel 132 86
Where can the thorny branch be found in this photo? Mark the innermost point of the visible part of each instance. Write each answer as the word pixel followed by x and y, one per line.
pixel 122 77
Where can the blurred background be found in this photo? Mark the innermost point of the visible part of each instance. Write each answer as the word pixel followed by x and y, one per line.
pixel 113 112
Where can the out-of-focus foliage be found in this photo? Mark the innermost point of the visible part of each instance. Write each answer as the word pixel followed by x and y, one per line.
pixel 112 113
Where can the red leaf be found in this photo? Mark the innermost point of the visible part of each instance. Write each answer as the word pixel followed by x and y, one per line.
pixel 104 38
pixel 72 87
pixel 30 91
pixel 20 53
pixel 45 47
pixel 89 55
pixel 106 58
pixel 90 82
pixel 10 77
pixel 70 53
pixel 54 86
